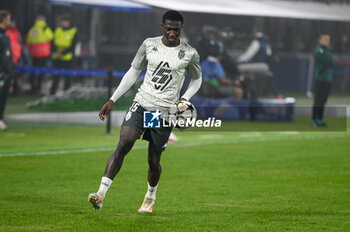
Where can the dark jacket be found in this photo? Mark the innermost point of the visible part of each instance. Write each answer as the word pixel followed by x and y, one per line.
pixel 324 64
pixel 6 63
pixel 261 55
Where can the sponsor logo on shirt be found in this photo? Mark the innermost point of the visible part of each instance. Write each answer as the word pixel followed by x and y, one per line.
pixel 162 76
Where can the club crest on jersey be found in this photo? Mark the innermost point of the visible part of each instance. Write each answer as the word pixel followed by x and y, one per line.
pixel 128 116
pixel 155 49
pixel 181 54
pixel 162 76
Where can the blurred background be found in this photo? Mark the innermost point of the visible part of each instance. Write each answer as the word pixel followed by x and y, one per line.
pixel 110 32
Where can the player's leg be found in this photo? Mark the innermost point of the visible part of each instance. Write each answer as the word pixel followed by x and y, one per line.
pixel 154 172
pixel 158 139
pixel 128 136
pixel 154 167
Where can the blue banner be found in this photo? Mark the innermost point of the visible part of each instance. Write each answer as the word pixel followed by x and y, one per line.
pixel 69 72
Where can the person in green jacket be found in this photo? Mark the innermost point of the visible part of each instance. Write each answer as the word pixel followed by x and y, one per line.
pixel 324 65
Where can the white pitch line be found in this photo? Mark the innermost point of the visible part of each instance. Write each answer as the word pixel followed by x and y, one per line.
pixel 261 139
pixel 62 152
pixel 211 136
pixel 252 134
pixel 190 144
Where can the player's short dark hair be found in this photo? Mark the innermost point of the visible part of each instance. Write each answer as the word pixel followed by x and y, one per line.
pixel 173 15
pixel 3 15
pixel 65 17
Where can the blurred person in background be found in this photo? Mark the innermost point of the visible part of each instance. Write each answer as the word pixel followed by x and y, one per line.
pixel 259 49
pixel 215 63
pixel 215 82
pixel 16 49
pixel 324 64
pixel 65 39
pixel 208 44
pixel 6 64
pixel 259 52
pixel 39 45
pixel 211 44
pixel 15 41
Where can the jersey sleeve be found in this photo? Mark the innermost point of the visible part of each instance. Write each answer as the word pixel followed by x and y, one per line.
pixel 140 62
pixel 194 67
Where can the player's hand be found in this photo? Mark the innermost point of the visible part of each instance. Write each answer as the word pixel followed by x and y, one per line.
pixel 105 110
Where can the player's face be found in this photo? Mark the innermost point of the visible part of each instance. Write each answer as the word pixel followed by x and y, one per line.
pixel 171 32
pixel 325 40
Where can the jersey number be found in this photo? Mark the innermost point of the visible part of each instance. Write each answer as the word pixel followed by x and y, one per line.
pixel 134 107
pixel 162 76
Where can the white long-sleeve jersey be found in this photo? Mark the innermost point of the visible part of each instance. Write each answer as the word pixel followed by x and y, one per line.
pixel 166 68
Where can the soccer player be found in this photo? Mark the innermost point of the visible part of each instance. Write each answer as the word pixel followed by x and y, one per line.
pixel 166 60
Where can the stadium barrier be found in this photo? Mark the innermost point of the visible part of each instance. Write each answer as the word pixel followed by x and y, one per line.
pixel 68 72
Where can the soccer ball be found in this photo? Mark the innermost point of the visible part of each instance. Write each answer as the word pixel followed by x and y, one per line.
pixel 181 112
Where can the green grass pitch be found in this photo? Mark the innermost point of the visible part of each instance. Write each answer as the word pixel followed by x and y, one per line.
pixel 232 181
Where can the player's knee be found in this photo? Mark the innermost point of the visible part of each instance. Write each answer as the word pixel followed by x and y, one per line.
pixel 124 146
pixel 153 163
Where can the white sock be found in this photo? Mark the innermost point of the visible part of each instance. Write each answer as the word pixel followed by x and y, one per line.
pixel 104 186
pixel 151 191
